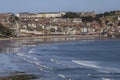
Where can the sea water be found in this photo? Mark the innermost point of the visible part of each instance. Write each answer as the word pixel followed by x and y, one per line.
pixel 74 60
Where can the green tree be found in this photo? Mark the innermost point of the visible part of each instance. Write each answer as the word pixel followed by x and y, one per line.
pixel 90 19
pixel 4 31
pixel 71 15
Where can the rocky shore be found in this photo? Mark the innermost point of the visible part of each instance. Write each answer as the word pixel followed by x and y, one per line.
pixel 19 77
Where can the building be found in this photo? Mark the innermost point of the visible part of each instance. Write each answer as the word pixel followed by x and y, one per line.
pixel 84 14
pixel 4 17
pixel 40 15
pixel 26 15
pixel 119 18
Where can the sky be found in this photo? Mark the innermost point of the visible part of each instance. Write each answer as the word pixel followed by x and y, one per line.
pixel 99 6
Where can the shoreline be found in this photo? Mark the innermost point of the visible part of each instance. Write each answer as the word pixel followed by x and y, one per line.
pixel 45 37
pixel 81 37
pixel 11 43
pixel 24 41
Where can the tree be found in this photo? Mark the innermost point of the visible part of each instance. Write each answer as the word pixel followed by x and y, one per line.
pixel 4 31
pixel 71 15
pixel 89 19
pixel 13 18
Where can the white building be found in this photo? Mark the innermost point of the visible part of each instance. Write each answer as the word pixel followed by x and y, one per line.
pixel 40 15
pixel 119 18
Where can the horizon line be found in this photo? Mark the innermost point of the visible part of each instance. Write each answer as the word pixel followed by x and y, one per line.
pixel 58 11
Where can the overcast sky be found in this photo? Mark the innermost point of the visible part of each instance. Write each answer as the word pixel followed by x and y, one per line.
pixel 58 5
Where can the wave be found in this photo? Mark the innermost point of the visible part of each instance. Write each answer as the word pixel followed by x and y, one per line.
pixel 86 63
pixel 31 51
pixel 106 79
pixel 34 61
pixel 105 72
pixel 27 56
pixel 64 77
pixel 54 61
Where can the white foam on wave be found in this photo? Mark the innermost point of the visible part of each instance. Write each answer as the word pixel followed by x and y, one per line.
pixel 27 56
pixel 89 74
pixel 109 70
pixel 104 71
pixel 86 63
pixel 54 61
pixel 33 60
pixel 62 76
pixel 36 63
pixel 64 63
pixel 106 79
pixel 31 51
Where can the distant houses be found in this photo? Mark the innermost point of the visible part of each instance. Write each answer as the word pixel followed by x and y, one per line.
pixel 53 23
pixel 40 15
pixel 84 14
pixel 51 14
pixel 118 18
pixel 4 18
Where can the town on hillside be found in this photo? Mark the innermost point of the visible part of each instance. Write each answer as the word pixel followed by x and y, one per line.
pixel 28 24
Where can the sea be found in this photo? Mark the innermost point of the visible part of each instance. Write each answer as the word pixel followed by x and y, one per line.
pixel 69 60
